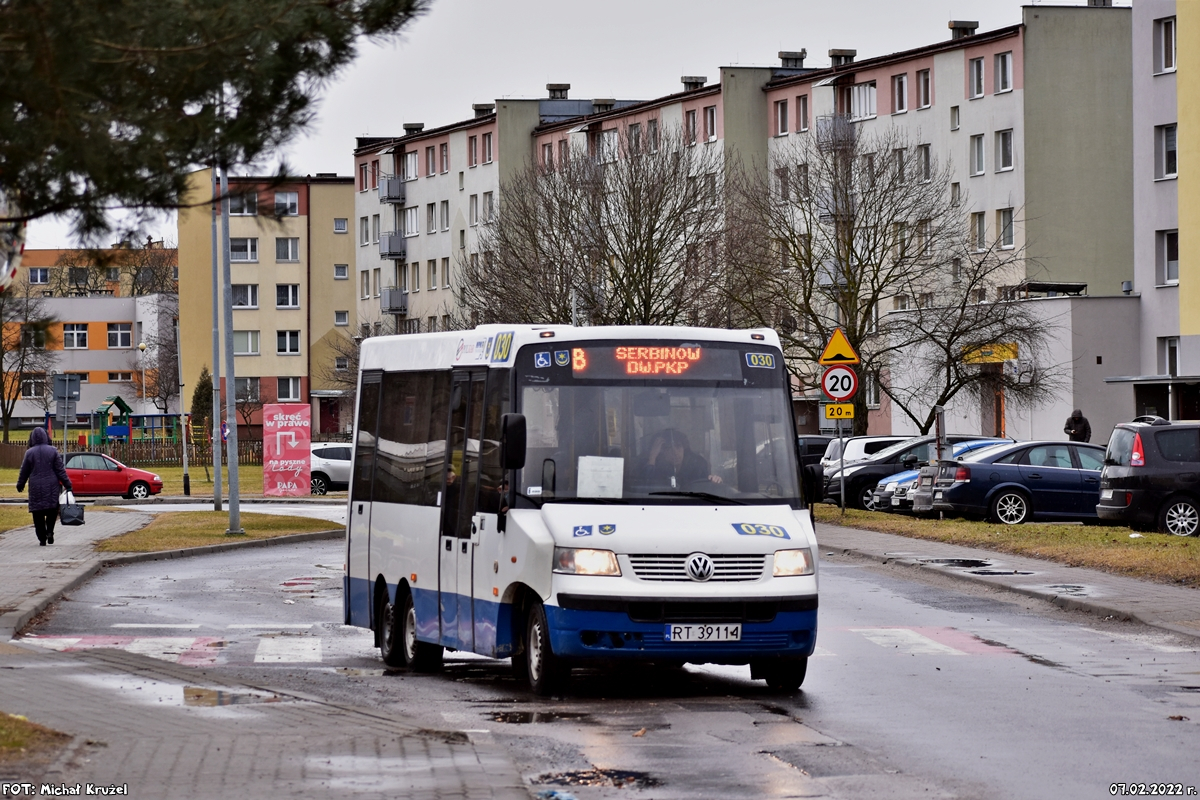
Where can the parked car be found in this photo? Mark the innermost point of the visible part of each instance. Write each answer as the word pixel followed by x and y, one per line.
pixel 95 474
pixel 861 478
pixel 896 492
pixel 1022 482
pixel 1151 478
pixel 812 448
pixel 858 448
pixel 329 467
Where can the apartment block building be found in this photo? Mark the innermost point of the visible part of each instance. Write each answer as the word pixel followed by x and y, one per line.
pixel 292 255
pixel 421 198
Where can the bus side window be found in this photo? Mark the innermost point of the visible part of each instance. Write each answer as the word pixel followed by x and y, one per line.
pixel 491 477
pixel 364 456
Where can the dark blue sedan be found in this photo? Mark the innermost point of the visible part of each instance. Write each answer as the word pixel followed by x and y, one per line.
pixel 1030 480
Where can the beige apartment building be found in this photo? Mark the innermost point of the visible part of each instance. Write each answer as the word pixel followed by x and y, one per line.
pixel 293 297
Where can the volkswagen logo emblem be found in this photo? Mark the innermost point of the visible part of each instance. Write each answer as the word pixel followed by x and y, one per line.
pixel 699 567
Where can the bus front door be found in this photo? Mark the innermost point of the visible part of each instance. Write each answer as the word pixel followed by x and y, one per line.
pixel 457 551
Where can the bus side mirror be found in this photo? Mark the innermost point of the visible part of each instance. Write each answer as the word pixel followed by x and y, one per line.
pixel 512 441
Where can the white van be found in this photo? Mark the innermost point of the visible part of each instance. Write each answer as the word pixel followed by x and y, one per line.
pixel 858 448
pixel 563 495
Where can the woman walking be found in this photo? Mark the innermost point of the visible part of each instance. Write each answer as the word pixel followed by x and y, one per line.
pixel 43 469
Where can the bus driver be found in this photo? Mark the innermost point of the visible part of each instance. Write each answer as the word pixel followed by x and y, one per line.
pixel 672 461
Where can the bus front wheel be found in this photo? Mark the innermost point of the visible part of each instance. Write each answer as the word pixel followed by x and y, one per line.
pixel 543 670
pixel 781 674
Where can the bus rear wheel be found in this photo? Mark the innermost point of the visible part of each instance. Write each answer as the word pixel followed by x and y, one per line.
pixel 389 635
pixel 543 670
pixel 419 656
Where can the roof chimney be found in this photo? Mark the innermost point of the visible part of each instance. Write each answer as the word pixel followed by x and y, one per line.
pixel 558 91
pixel 691 82
pixel 962 27
pixel 411 128
pixel 483 109
pixel 840 58
pixel 792 59
pixel 602 104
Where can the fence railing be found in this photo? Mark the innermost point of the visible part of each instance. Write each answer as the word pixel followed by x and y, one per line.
pixel 145 453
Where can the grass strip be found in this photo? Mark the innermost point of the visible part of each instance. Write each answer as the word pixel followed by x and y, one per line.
pixel 21 739
pixel 1152 556
pixel 198 528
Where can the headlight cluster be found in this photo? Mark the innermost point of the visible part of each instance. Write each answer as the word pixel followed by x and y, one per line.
pixel 793 562
pixel 581 561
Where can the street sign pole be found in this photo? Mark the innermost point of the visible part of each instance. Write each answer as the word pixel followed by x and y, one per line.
pixel 842 465
pixel 839 383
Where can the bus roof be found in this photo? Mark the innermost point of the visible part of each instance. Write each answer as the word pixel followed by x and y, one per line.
pixel 496 345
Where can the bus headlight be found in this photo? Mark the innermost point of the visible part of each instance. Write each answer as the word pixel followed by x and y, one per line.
pixel 793 562
pixel 580 561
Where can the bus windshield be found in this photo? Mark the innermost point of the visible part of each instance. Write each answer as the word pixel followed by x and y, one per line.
pixel 626 423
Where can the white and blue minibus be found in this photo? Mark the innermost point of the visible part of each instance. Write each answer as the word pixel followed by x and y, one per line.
pixel 563 495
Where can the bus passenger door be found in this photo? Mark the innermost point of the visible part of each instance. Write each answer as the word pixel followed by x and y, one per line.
pixel 456 552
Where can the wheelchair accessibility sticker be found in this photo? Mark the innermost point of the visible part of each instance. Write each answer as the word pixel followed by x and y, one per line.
pixel 582 530
pixel 541 360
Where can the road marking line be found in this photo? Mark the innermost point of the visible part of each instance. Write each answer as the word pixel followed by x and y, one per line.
pixel 269 626
pixel 288 650
pixel 164 648
pixel 907 641
pixel 185 626
pixel 54 642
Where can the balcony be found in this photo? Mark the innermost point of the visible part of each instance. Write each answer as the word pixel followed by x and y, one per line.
pixel 393 245
pixel 391 190
pixel 835 133
pixel 393 301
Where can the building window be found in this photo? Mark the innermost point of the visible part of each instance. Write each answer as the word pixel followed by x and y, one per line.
pixel 245 343
pixel 364 231
pixel 489 207
pixel 375 174
pixel 635 137
pixel 781 117
pixel 924 89
pixel 472 151
pixel 243 249
pixel 976 78
pixel 39 275
pixel 245 295
pixel 341 225
pixel 979 231
pixel 431 218
pixel 862 101
pixel 899 94
pixel 412 221
pixel 445 214
pixel 1168 355
pixel 243 205
pixel 410 166
pixel 564 152
pixel 783 178
pixel 375 228
pixel 690 126
pixel 652 135
pixel 802 190
pixel 487 148
pixel 953 118
pixel 1164 45
pixel 1004 221
pixel 287 249
pixel 245 390
pixel 802 112
pixel 925 162
pixel 288 390
pixel 899 156
pixel 955 194
pixel 710 123
pixel 364 279
pixel 977 155
pixel 1004 72
pixel 430 161
pixel 375 275
pixel 33 385
pixel 414 281
pixel 120 377
pixel 341 364
pixel 341 272
pixel 446 274
pixel 955 269
pixel 287 204
pixel 871 388
pixel 548 155
pixel 120 336
pixel 341 318
pixel 444 150
pixel 362 176
pixel 606 146
pixel 75 336
pixel 1168 257
pixel 900 302
pixel 473 210
pixel 1004 150
pixel 287 342
pixel 433 275
pixel 287 295
pixel 1166 151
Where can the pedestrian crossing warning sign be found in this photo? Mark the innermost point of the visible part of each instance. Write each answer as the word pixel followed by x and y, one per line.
pixel 838 351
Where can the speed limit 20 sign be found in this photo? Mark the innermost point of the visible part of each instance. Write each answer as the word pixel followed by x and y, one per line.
pixel 839 383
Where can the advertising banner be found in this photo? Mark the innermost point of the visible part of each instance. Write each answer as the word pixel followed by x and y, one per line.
pixel 287 431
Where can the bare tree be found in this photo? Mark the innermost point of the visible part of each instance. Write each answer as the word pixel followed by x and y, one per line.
pixel 25 354
pixel 248 400
pixel 628 231
pixel 125 268
pixel 843 228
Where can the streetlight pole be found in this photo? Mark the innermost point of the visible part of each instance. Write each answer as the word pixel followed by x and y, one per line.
pixel 142 361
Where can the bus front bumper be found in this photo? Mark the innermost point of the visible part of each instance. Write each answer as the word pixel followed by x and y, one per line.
pixel 597 627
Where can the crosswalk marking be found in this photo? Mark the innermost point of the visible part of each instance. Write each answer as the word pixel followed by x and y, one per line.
pixel 270 626
pixel 907 640
pixel 185 626
pixel 289 650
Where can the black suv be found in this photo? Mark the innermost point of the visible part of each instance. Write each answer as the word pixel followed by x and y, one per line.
pixel 1151 477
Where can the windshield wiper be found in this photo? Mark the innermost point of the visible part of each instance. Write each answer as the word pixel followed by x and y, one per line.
pixel 716 498
pixel 600 501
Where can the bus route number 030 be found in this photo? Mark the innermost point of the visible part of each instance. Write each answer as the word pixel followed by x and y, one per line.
pixel 839 383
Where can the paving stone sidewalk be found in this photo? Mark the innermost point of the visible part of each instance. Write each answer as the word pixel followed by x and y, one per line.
pixel 1173 608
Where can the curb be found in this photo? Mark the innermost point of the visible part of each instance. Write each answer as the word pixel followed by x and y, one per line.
pixel 1068 603
pixel 13 622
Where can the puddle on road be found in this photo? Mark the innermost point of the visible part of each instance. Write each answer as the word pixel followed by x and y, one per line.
pixel 960 563
pixel 527 717
pixel 1071 589
pixel 620 778
pixel 198 696
pixel 999 572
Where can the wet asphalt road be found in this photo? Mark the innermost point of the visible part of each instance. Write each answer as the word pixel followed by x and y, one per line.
pixel 918 688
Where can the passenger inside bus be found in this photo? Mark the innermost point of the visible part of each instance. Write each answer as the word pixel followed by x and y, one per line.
pixel 672 461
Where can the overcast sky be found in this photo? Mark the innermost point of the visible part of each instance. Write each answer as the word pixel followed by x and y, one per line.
pixel 475 51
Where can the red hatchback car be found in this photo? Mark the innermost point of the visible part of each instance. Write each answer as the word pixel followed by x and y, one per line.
pixel 97 474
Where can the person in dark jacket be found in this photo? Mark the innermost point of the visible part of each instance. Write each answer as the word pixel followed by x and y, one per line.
pixel 44 471
pixel 1078 429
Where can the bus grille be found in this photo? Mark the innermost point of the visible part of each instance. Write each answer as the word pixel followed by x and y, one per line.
pixel 672 567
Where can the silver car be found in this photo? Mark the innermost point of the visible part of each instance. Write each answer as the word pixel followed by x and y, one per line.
pixel 330 466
